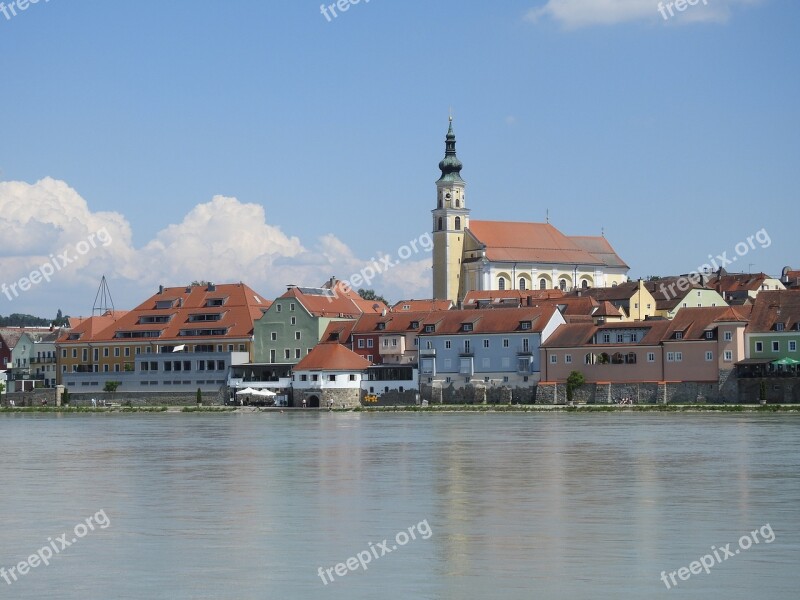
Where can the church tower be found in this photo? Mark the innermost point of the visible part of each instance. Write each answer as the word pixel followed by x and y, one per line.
pixel 450 219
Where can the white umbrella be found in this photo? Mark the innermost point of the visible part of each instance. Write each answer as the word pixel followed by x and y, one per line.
pixel 264 393
pixel 246 391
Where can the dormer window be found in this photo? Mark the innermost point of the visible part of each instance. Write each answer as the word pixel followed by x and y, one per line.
pixel 678 335
pixel 430 328
pixel 466 327
pixel 709 335
pixel 215 302
pixel 164 304
pixel 414 324
pixel 779 326
pixel 74 336
pixel 381 326
pixel 525 325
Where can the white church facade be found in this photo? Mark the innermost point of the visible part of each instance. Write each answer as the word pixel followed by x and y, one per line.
pixel 496 255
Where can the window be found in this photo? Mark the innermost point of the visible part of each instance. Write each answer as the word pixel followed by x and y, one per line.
pixel 563 285
pixel 458 223
pixel 543 284
pixel 709 335
pixel 297 335
pixel 651 357
pixel 394 342
pixel 291 306
pixel 64 353
pixel 352 377
pixel 361 343
pixel 776 346
pixel 467 327
pixel 709 356
pixel 116 352
pixel 634 338
pixel 430 328
pixel 568 359
pixel 620 338
pixel 678 356
pixel 287 353
pixel 505 342
pixel 331 377
pixel 303 377
pixel 522 283
pixel 293 321
pixel 485 343
pixel 467 347
pixel 440 224
pixel 127 351
pixel 553 359
pixel 273 336
pixel 447 344
pixel 501 284
pixel 678 335
pixel 670 357
pixel 759 346
pixel 778 326
pixel 385 343
pixel 370 343
pixel 792 346
pixel 525 325
pixel 728 356
pixel 369 357
pixel 606 338
pixel 728 336
pixel 297 352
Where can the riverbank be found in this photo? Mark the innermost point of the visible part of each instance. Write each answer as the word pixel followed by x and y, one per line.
pixel 438 408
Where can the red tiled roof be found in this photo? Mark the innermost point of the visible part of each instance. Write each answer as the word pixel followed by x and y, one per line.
pixel 512 297
pixel 333 300
pixel 737 282
pixel 536 243
pixel 693 322
pixel 606 309
pixel 775 306
pixel 421 305
pixel 600 247
pixel 241 307
pixel 332 357
pixel 393 322
pixel 338 332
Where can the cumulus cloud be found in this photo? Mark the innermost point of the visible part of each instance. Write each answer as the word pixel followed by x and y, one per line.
pixel 223 240
pixel 574 14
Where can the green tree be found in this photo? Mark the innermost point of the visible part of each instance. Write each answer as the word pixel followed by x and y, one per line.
pixel 574 381
pixel 371 295
pixel 199 397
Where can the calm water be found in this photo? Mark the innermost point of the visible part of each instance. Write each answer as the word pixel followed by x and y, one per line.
pixel 518 506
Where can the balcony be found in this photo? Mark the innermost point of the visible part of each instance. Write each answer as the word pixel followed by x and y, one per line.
pixel 427 353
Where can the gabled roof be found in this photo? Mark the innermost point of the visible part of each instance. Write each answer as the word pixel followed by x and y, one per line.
pixel 506 241
pixel 332 357
pixel 88 328
pixel 334 299
pixel 606 309
pixel 737 282
pixel 392 322
pixel 775 306
pixel 598 246
pixel 421 305
pixel 576 335
pixel 506 298
pixel 619 293
pixel 11 335
pixel 668 295
pixel 239 307
pixel 491 320
pixel 338 332
pixel 693 322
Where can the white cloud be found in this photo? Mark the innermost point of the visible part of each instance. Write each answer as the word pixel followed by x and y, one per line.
pixel 223 240
pixel 574 14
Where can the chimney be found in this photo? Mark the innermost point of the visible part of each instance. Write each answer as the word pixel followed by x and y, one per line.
pixel 211 287
pixel 161 289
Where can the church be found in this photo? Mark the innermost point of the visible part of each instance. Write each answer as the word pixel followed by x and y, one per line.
pixel 497 255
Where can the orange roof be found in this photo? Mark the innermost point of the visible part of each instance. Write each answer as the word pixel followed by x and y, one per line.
pixel 506 241
pixel 332 357
pixel 693 322
pixel 334 299
pixel 392 322
pixel 512 297
pixel 422 305
pixel 775 306
pixel 238 307
pixel 338 332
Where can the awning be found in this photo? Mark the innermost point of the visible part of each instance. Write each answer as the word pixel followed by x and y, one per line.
pixel 754 361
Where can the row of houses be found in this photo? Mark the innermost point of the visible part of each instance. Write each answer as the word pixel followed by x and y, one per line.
pixel 327 345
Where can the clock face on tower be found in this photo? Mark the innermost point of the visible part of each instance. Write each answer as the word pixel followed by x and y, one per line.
pixel 447 195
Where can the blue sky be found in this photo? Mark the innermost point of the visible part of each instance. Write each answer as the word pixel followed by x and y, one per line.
pixel 258 141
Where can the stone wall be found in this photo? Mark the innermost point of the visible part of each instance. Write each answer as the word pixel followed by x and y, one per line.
pixel 779 390
pixel 136 399
pixel 685 392
pixel 477 394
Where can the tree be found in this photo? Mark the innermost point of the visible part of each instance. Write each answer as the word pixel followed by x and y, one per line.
pixel 199 397
pixel 574 381
pixel 111 386
pixel 371 295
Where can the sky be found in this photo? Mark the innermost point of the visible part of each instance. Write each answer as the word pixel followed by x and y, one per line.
pixel 265 142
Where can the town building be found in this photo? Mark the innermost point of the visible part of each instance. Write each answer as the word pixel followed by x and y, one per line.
pixel 329 376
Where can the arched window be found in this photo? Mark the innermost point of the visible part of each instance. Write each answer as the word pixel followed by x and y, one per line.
pixel 543 284
pixel 584 284
pixel 522 283
pixel 458 223
pixel 563 285
pixel 501 283
pixel 440 224
pixel 458 203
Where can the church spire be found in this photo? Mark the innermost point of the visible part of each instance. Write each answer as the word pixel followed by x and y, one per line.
pixel 450 166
